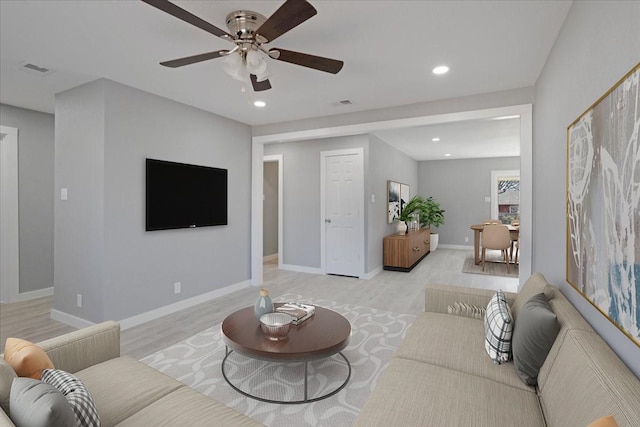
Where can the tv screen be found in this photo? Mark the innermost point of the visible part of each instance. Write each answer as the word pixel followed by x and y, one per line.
pixel 184 196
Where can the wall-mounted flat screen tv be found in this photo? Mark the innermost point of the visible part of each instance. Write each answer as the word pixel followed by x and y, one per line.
pixel 180 195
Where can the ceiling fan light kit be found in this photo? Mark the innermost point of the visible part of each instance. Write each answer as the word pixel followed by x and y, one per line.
pixel 249 31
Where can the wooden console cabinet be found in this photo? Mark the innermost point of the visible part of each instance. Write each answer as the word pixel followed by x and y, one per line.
pixel 402 253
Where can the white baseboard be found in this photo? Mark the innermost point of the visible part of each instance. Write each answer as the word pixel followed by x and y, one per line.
pixel 372 273
pixel 301 269
pixel 141 318
pixel 40 293
pixel 455 247
pixel 69 319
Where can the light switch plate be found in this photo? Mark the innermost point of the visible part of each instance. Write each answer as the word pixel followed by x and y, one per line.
pixel 64 193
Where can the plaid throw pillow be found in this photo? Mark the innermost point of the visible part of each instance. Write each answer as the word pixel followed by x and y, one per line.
pixel 498 328
pixel 77 395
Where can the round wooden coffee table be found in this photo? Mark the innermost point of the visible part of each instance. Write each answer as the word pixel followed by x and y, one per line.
pixel 324 334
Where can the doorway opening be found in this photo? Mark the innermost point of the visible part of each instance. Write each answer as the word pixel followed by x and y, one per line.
pixel 9 245
pixel 272 208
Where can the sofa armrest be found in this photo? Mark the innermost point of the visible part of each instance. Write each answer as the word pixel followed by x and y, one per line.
pixel 80 349
pixel 437 298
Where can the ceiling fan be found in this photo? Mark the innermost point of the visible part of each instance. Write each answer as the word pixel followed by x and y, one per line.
pixel 250 31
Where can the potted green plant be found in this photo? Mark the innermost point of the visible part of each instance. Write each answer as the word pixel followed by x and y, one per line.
pixel 433 217
pixel 430 215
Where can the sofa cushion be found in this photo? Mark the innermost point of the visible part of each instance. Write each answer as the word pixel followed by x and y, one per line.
pixel 411 393
pixel 123 386
pixel 456 343
pixel 587 381
pixel 535 284
pixel 26 358
pixel 187 407
pixel 569 319
pixel 38 404
pixel 498 329
pixel 7 374
pixel 533 335
pixel 77 395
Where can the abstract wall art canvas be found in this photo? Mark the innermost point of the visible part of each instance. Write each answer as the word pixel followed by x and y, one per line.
pixel 603 204
pixel 397 197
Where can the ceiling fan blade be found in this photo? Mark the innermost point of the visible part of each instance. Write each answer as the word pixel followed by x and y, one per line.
pixel 328 65
pixel 178 12
pixel 259 86
pixel 291 14
pixel 180 62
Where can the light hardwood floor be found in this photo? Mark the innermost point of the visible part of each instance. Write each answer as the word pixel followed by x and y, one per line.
pixel 393 291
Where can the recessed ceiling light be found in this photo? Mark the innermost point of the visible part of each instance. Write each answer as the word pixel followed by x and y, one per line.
pixel 442 69
pixel 259 104
pixel 435 139
pixel 448 155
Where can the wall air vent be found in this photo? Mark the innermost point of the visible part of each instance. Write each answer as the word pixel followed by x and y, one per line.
pixel 34 69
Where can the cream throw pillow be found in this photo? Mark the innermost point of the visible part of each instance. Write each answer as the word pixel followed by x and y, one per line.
pixel 466 310
pixel 26 358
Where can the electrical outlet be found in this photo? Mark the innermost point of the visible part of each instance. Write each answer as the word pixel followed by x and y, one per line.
pixel 79 300
pixel 177 288
pixel 466 239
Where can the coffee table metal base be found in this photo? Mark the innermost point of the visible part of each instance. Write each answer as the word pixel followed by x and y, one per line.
pixel 306 378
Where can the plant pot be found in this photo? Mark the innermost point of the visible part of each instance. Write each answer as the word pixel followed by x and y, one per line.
pixel 433 242
pixel 401 228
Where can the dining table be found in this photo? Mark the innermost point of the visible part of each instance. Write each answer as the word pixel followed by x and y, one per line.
pixel 514 231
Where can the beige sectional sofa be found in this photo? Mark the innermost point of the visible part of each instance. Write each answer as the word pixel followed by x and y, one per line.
pixel 127 392
pixel 441 375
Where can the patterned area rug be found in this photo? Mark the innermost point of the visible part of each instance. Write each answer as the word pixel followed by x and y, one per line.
pixel 490 268
pixel 375 336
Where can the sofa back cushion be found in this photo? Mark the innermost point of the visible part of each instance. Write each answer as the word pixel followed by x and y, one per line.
pixel 586 381
pixel 534 285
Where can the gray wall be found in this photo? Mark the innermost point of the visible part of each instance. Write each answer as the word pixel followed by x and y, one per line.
pixel 598 44
pixel 79 221
pixel 461 186
pixel 35 194
pixel 270 209
pixel 386 163
pixel 301 195
pixel 104 132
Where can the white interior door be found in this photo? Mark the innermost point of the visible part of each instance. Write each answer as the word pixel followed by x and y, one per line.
pixel 9 243
pixel 343 212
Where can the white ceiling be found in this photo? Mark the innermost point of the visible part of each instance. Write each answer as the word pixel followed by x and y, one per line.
pixel 389 49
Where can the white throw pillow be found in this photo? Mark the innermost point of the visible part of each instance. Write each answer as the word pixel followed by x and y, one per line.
pixel 77 395
pixel 498 328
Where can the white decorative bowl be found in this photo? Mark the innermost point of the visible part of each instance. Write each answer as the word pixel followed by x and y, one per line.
pixel 275 326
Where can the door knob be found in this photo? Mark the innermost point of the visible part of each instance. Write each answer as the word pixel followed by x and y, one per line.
pixel 327 220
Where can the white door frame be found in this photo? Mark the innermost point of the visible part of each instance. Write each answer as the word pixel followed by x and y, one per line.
pixel 360 203
pixel 525 111
pixel 494 188
pixel 278 158
pixel 10 243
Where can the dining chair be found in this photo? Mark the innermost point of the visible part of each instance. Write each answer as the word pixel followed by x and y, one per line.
pixel 492 221
pixel 497 237
pixel 515 243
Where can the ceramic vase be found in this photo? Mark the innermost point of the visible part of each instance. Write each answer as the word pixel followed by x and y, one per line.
pixel 263 305
pixel 402 228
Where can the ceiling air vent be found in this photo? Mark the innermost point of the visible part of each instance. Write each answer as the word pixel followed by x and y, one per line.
pixel 30 68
